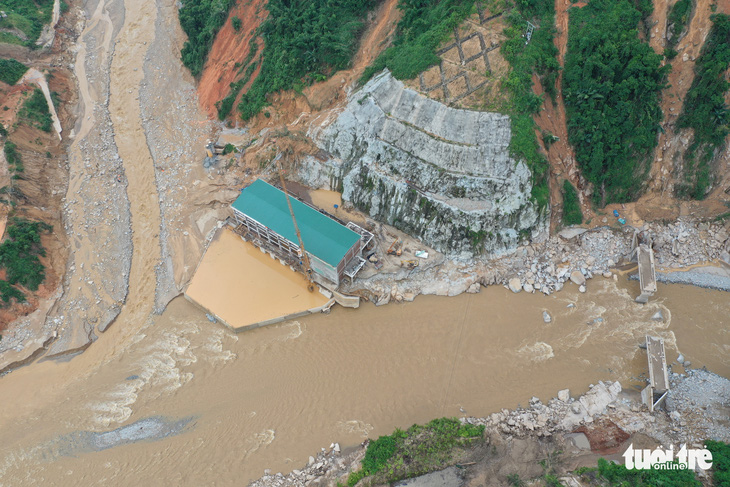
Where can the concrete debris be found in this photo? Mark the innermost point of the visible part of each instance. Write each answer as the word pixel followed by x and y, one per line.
pixel 578 278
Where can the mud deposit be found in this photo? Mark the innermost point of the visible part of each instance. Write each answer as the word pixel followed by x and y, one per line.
pixel 242 285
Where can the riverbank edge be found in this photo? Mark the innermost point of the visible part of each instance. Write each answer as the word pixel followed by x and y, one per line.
pixel 602 408
pixel 574 254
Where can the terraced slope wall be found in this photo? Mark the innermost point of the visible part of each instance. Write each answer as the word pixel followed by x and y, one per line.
pixel 441 174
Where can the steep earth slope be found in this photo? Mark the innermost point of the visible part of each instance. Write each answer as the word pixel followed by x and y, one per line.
pixel 230 49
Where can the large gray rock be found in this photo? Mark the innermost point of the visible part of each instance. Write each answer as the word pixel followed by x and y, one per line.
pixel 450 477
pixel 578 278
pixel 441 174
pixel 515 285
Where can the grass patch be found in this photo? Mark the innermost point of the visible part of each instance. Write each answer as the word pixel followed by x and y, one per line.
pixel 424 25
pixel 19 253
pixel 619 475
pixel 201 20
pixel 611 84
pixel 28 16
pixel 705 110
pixel 8 38
pixel 720 462
pixel 35 113
pixel 11 71
pixel 418 450
pixel 304 42
pixel 572 215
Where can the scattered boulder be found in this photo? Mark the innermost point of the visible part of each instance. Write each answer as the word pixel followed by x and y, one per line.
pixel 474 288
pixel 582 288
pixel 680 359
pixel 546 317
pixel 658 316
pixel 515 285
pixel 578 278
pixel 564 395
pixel 572 232
pixel 528 287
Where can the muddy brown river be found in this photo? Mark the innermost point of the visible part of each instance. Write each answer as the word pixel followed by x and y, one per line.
pixel 271 397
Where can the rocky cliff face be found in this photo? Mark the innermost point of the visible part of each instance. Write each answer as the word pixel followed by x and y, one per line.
pixel 442 174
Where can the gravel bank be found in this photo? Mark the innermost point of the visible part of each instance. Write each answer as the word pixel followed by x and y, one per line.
pixel 574 254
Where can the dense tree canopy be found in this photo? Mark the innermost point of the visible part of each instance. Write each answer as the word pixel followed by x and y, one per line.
pixel 611 86
pixel 705 110
pixel 304 41
pixel 201 20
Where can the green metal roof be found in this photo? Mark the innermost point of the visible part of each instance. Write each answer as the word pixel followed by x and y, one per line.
pixel 322 236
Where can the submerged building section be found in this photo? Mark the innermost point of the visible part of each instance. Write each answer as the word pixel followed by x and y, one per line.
pixel 334 249
pixel 254 273
pixel 441 174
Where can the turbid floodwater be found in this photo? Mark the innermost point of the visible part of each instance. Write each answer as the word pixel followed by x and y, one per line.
pixel 173 399
pixel 242 286
pixel 271 397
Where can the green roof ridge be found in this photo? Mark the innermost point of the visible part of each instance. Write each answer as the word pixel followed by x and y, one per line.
pixel 323 237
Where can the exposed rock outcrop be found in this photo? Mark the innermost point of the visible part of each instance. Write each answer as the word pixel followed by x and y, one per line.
pixel 441 174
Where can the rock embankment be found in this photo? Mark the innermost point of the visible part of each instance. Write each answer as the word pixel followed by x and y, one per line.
pixel 441 174
pixel 575 255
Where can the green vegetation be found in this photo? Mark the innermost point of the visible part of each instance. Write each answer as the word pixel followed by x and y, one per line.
pixel 705 110
pixel 226 104
pixel 611 84
pixel 424 25
pixel 572 215
pixel 236 22
pixel 418 450
pixel 8 38
pixel 3 131
pixel 27 16
pixel 19 257
pixel 677 22
pixel 538 56
pixel 8 293
pixel 619 475
pixel 201 20
pixel 35 111
pixel 303 43
pixel 11 71
pixel 720 462
pixel 12 156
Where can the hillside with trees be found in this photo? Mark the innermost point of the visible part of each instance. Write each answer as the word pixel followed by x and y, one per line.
pixel 611 85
